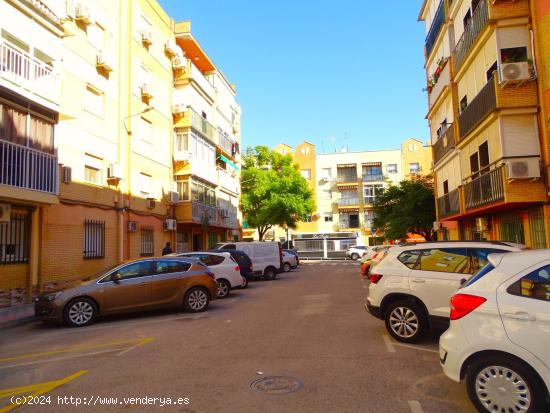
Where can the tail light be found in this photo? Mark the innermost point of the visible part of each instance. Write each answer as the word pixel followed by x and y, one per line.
pixel 463 304
pixel 211 274
pixel 237 268
pixel 374 277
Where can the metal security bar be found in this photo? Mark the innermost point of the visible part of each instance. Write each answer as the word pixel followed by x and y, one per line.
pixel 449 204
pixel 147 242
pixel 481 106
pixel 485 190
pixel 94 239
pixel 475 26
pixel 14 240
pixel 536 226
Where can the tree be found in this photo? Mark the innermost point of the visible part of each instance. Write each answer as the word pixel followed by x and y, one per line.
pixel 273 192
pixel 408 208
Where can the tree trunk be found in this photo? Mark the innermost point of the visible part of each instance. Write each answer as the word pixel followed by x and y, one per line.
pixel 262 230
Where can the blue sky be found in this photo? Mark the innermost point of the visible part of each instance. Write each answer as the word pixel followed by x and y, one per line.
pixel 318 70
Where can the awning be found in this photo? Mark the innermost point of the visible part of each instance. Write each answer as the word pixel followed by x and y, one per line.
pixel 230 163
pixel 371 164
pixel 346 165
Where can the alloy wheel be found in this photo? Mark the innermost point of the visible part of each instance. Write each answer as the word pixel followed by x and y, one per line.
pixel 223 289
pixel 404 322
pixel 198 300
pixel 500 389
pixel 81 312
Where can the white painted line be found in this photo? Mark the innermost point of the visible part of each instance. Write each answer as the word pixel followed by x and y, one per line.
pixel 234 299
pixel 415 406
pixel 415 347
pixel 388 343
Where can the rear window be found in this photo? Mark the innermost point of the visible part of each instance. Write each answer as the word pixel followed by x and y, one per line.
pixel 479 274
pixel 167 267
pixel 410 258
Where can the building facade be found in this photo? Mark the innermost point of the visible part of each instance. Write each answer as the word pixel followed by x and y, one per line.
pixel 485 120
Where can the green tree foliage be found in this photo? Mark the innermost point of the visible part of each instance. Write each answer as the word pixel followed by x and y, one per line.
pixel 406 209
pixel 273 192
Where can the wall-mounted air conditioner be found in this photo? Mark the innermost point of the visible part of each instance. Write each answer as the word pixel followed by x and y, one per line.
pixel 178 62
pixel 170 224
pixel 114 171
pixel 146 37
pixel 170 47
pixel 82 13
pixel 178 108
pixel 105 61
pixel 66 174
pixel 173 197
pixel 523 168
pixel 515 72
pixel 132 226
pixel 150 203
pixel 146 91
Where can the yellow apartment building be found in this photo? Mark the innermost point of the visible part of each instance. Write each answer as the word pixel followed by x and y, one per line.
pixel 485 119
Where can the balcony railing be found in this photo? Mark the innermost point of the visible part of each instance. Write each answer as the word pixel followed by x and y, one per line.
pixel 201 125
pixel 205 214
pixel 485 189
pixel 27 72
pixel 348 201
pixel 224 142
pixel 349 224
pixel 369 200
pixel 200 79
pixel 346 178
pixel 445 143
pixel 482 105
pixel 372 178
pixel 475 26
pixel 435 29
pixel 27 168
pixel 449 204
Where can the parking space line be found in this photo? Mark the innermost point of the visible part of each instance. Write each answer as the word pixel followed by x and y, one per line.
pixel 72 356
pixel 388 343
pixel 415 406
pixel 141 343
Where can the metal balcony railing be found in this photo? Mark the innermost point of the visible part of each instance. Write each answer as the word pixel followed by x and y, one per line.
pixel 202 126
pixel 445 143
pixel 348 201
pixel 373 178
pixel 349 224
pixel 485 189
pixel 369 200
pixel 483 104
pixel 27 168
pixel 224 142
pixel 477 23
pixel 205 214
pixel 435 29
pixel 346 178
pixel 449 204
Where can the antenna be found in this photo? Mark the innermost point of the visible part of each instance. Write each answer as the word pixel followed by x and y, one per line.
pixel 346 141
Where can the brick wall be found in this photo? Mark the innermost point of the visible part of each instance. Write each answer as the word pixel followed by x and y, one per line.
pixel 508 9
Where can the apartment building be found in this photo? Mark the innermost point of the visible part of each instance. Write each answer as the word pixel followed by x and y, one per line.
pixel 30 100
pixel 206 148
pixel 484 114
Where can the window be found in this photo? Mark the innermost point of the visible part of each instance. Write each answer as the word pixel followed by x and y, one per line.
pixel 409 258
pixel 326 194
pixel 199 148
pixel 306 173
pixel 308 218
pixel 169 267
pixel 479 257
pixel 304 151
pixel 466 19
pixel 93 102
pixel 203 194
pixel 535 285
pixel 414 167
pixel 392 168
pixel 463 103
pixel 14 239
pixel 454 260
pixel 145 183
pixel 326 173
pixel 483 156
pixel 96 36
pixel 491 71
pixel 209 259
pixel 93 169
pixel 145 130
pixel 14 124
pixel 371 191
pixel 183 190
pixel 94 239
pixel 412 147
pixel 328 216
pixel 147 242
pixel 144 24
pixel 135 270
pixel 513 54
pixel 372 170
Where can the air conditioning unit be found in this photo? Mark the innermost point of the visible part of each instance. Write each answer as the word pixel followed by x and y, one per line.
pixel 178 108
pixel 173 197
pixel 70 9
pixel 114 171
pixel 146 37
pixel 515 72
pixel 5 212
pixel 170 47
pixel 170 224
pixel 482 224
pixel 323 180
pixel 150 203
pixel 67 174
pixel 105 61
pixel 523 168
pixel 82 13
pixel 178 63
pixel 132 226
pixel 146 91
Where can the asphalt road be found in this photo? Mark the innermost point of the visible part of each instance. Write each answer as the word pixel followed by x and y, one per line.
pixel 309 324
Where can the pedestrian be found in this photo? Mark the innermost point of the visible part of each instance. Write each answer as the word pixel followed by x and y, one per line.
pixel 167 249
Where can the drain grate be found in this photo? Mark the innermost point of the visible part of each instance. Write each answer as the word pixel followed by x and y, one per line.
pixel 277 385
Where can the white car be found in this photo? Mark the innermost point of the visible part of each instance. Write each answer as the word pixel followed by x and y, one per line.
pixel 265 256
pixel 289 261
pixel 410 288
pixel 356 251
pixel 499 336
pixel 225 269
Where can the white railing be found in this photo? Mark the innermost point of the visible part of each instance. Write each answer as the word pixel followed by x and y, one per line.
pixel 225 180
pixel 27 72
pixel 28 168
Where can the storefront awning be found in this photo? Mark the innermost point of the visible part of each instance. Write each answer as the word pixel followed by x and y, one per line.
pixel 371 164
pixel 227 161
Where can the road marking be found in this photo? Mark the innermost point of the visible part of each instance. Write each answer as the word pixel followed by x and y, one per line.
pixel 388 343
pixel 141 343
pixel 234 299
pixel 415 406
pixel 35 390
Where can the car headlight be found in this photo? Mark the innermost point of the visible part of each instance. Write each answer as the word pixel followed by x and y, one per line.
pixel 51 296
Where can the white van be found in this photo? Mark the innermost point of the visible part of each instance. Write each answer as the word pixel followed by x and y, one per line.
pixel 265 256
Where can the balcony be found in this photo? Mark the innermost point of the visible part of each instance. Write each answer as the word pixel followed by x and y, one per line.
pixel 445 143
pixel 351 224
pixel 346 178
pixel 442 82
pixel 28 169
pixel 435 29
pixel 197 213
pixel 225 143
pixel 373 178
pixel 346 202
pixel 485 190
pixel 369 200
pixel 193 120
pixel 477 23
pixel 228 182
pixel 193 74
pixel 29 74
pixel 449 204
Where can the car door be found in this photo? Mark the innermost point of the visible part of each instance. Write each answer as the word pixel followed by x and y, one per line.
pixel 168 281
pixel 524 306
pixel 132 291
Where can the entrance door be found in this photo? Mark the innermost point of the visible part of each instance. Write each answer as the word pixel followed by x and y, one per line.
pixel 197 242
pixel 354 220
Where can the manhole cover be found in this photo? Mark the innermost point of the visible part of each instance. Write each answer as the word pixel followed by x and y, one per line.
pixel 277 384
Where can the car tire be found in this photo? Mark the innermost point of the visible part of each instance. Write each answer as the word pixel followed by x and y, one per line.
pixel 245 283
pixel 405 321
pixel 354 256
pixel 224 287
pixel 489 379
pixel 80 312
pixel 270 273
pixel 286 267
pixel 196 300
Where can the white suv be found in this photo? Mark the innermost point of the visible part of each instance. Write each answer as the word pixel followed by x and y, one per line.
pixel 499 335
pixel 410 288
pixel 356 251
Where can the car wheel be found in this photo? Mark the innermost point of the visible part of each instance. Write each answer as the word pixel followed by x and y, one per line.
pixel 270 273
pixel 405 321
pixel 354 256
pixel 245 283
pixel 286 267
pixel 223 288
pixel 196 300
pixel 501 384
pixel 80 312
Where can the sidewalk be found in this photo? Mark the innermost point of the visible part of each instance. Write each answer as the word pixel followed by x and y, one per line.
pixel 15 315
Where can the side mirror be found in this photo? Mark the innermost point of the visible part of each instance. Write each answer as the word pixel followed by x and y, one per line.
pixel 463 281
pixel 116 278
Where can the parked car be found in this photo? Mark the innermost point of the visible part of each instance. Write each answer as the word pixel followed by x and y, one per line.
pixel 499 334
pixel 290 261
pixel 373 257
pixel 266 256
pixel 245 264
pixel 356 251
pixel 295 253
pixel 136 285
pixel 225 268
pixel 411 287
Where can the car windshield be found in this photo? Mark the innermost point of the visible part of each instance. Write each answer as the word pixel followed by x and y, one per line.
pixel 479 274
